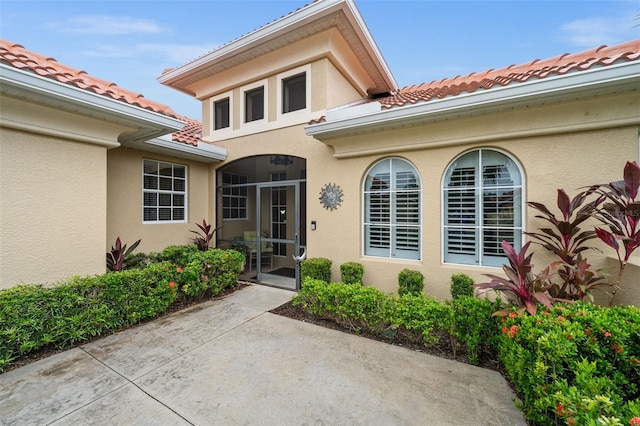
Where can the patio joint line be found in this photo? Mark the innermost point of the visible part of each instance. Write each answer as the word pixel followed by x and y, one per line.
pixel 120 387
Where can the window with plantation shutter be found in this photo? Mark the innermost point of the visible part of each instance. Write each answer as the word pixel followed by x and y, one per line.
pixel 392 210
pixel 482 201
pixel 164 192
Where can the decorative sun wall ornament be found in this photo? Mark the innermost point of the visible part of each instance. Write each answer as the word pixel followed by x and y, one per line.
pixel 331 196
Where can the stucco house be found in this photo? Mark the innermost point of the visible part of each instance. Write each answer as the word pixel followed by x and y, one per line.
pixel 311 147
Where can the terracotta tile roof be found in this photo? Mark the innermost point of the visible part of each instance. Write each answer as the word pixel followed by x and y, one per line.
pixel 190 133
pixel 17 56
pixel 537 69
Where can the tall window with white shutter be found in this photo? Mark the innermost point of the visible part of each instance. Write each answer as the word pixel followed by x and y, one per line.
pixel 164 192
pixel 482 202
pixel 392 220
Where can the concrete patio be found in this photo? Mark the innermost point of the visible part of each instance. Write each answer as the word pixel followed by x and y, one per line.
pixel 230 361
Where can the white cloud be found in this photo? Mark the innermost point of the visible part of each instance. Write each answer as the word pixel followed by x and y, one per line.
pixel 106 25
pixel 591 32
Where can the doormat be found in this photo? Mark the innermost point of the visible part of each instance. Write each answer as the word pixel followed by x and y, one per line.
pixel 282 272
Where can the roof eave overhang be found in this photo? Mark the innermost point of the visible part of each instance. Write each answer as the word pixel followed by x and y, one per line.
pixel 204 152
pixel 273 32
pixel 598 81
pixel 45 91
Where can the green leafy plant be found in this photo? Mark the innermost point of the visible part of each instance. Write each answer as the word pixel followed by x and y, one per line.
pixel 317 268
pixel 474 328
pixel 566 361
pixel 351 272
pixel 619 210
pixel 204 235
pixel 410 282
pixel 461 285
pixel 521 287
pixel 117 257
pixel 565 239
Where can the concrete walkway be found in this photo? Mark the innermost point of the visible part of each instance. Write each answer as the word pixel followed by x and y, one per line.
pixel 230 362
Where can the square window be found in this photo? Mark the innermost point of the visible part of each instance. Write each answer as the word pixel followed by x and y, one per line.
pixel 164 191
pixel 294 93
pixel 221 114
pixel 254 105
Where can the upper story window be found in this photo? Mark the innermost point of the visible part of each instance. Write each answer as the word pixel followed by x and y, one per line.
pixel 254 104
pixel 164 192
pixel 221 114
pixel 294 93
pixel 392 221
pixel 482 202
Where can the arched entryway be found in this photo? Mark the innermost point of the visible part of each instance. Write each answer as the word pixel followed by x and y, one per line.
pixel 261 210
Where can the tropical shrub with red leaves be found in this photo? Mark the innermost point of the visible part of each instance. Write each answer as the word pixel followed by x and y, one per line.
pixel 521 287
pixel 204 236
pixel 568 241
pixel 119 254
pixel 619 211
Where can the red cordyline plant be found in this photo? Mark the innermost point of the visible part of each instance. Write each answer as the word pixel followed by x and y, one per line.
pixel 521 287
pixel 205 235
pixel 117 257
pixel 619 211
pixel 567 241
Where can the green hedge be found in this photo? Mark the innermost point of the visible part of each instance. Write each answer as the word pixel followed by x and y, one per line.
pixel 317 268
pixel 81 308
pixel 351 273
pixel 577 364
pixel 410 282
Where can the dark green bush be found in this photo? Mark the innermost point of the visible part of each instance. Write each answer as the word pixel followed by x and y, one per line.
pixel 317 268
pixel 576 361
pixel 177 255
pixel 84 307
pixel 474 329
pixel 351 272
pixel 461 285
pixel 410 282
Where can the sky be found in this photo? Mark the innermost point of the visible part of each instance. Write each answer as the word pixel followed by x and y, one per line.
pixel 130 42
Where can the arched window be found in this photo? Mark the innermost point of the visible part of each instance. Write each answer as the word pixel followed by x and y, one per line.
pixel 392 210
pixel 482 203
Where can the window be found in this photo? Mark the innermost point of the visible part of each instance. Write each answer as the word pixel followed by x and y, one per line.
pixel 482 202
pixel 234 197
pixel 294 93
pixel 221 114
pixel 392 210
pixel 164 192
pixel 254 105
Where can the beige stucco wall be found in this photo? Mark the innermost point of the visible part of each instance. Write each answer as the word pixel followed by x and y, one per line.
pixel 124 205
pixel 53 194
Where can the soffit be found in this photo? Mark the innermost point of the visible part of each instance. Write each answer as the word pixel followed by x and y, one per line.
pixel 250 46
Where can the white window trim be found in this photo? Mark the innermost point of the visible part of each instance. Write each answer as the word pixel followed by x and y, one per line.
pixel 221 133
pixel 158 191
pixel 363 213
pixel 244 125
pixel 301 115
pixel 523 205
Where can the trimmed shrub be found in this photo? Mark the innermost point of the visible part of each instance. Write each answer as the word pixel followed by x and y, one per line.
pixel 576 361
pixel 177 255
pixel 474 329
pixel 461 285
pixel 351 273
pixel 74 311
pixel 317 268
pixel 410 282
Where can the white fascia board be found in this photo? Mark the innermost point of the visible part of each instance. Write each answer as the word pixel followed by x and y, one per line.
pixel 203 152
pixel 69 98
pixel 614 76
pixel 276 28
